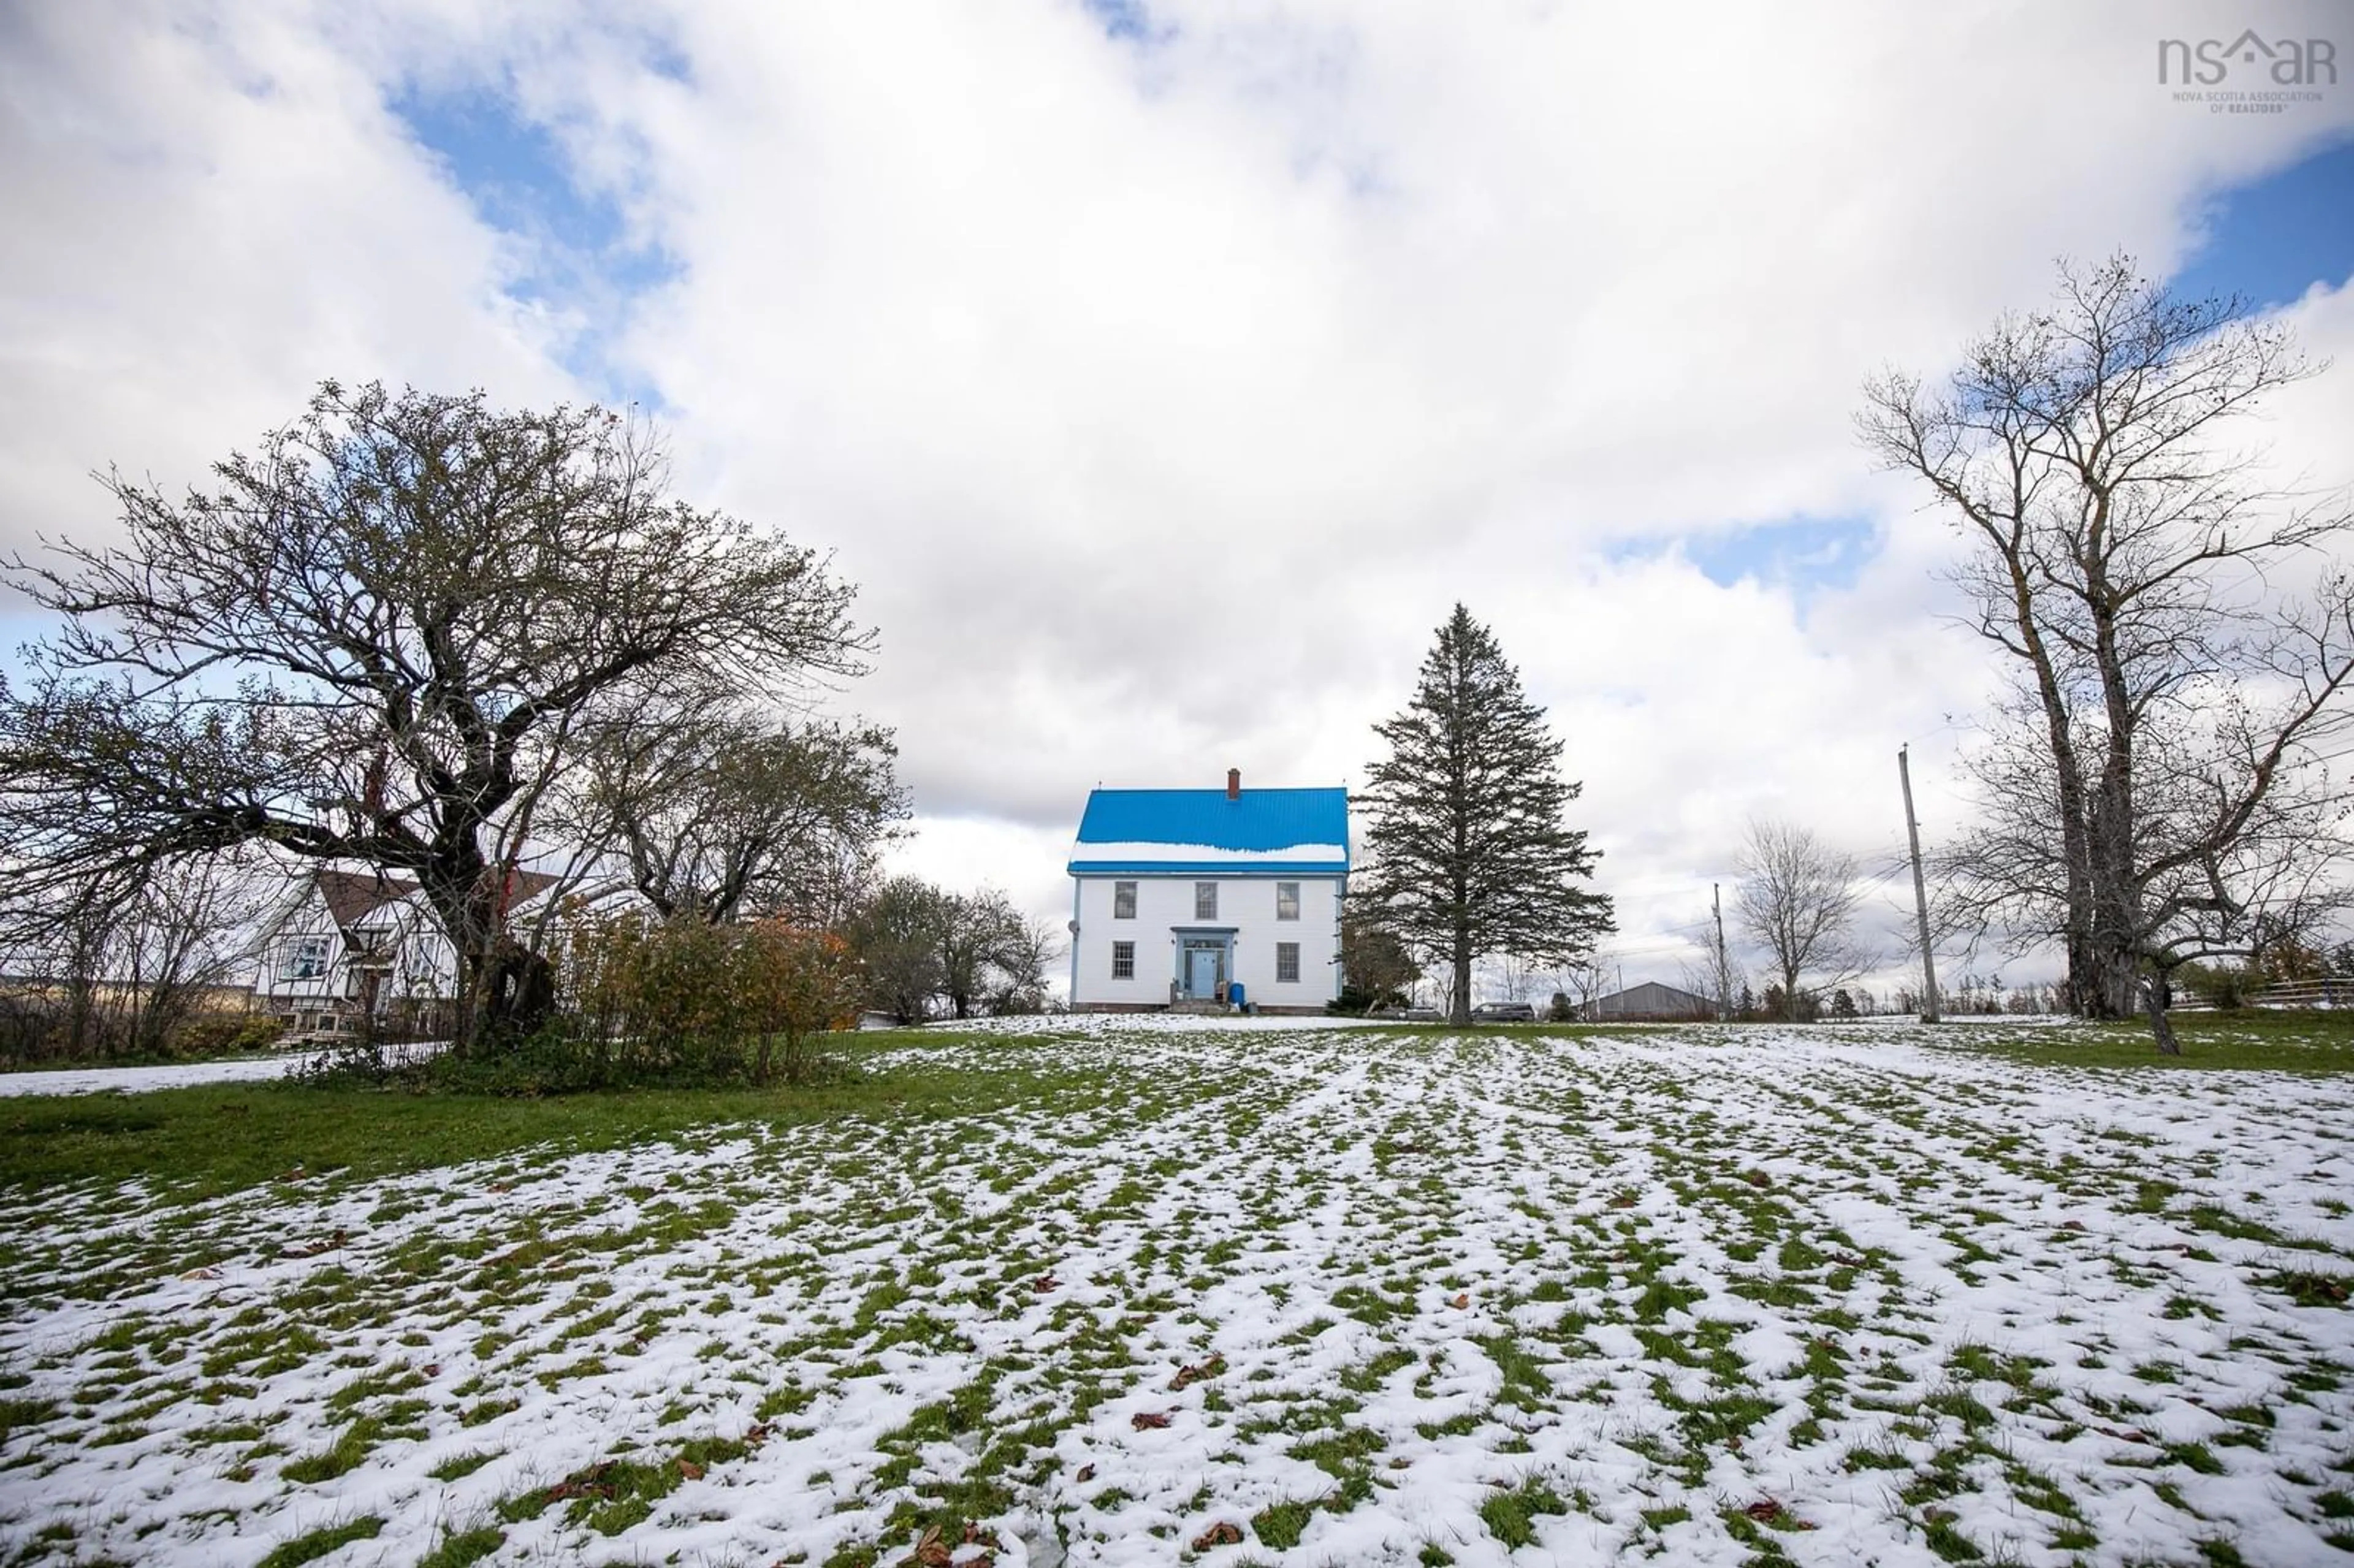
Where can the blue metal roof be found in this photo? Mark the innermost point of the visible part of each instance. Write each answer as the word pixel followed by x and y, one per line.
pixel 1258 821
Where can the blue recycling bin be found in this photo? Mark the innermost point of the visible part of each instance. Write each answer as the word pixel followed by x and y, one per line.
pixel 1235 994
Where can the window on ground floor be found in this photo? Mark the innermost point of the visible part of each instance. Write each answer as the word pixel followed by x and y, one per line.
pixel 1123 959
pixel 1287 963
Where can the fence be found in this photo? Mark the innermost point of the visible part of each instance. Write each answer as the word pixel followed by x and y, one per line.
pixel 2294 996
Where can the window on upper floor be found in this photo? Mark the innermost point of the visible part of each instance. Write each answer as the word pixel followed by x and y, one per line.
pixel 1123 901
pixel 1123 960
pixel 306 958
pixel 1287 963
pixel 1287 901
pixel 1205 901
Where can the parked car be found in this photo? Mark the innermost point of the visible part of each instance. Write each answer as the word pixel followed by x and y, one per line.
pixel 1503 1013
pixel 1410 1014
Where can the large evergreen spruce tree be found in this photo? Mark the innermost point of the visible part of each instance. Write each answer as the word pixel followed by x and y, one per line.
pixel 1471 853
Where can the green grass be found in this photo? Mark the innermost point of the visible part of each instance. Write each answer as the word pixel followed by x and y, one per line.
pixel 781 1270
pixel 461 1548
pixel 1511 1516
pixel 319 1542
pixel 1282 1524
pixel 201 1142
pixel 2250 1040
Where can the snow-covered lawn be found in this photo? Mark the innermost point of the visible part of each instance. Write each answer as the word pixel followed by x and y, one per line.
pixel 137 1080
pixel 184 1075
pixel 1308 1296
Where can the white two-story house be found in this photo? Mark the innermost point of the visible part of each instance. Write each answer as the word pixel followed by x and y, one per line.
pixel 345 941
pixel 1207 896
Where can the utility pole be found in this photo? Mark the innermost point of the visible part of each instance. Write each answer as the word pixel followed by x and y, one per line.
pixel 1920 889
pixel 1723 969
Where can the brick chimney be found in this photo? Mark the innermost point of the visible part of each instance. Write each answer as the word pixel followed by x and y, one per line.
pixel 1234 783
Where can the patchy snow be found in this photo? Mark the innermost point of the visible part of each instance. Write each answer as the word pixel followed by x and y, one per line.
pixel 137 1080
pixel 181 1074
pixel 1841 1296
pixel 1118 1026
pixel 1084 853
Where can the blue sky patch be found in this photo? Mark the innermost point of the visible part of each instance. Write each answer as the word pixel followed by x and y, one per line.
pixel 1127 20
pixel 1804 552
pixel 2273 239
pixel 580 254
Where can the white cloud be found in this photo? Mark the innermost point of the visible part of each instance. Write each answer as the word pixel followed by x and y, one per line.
pixel 1163 398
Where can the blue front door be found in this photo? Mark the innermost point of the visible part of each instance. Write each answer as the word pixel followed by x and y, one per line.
pixel 1202 973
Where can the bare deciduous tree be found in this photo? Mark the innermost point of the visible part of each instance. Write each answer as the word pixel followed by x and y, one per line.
pixel 1797 898
pixel 1019 984
pixel 924 944
pixel 717 814
pixel 379 640
pixel 1375 962
pixel 1582 980
pixel 895 934
pixel 984 944
pixel 2154 783
pixel 1717 976
pixel 107 970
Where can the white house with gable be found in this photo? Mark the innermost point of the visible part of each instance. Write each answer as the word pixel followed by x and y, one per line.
pixel 1209 896
pixel 345 941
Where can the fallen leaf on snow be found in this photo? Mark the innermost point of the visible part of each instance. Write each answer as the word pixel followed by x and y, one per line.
pixel 588 1483
pixel 1222 1533
pixel 690 1469
pixel 1193 1374
pixel 1145 1419
pixel 206 1273
pixel 1086 1473
pixel 1464 1300
pixel 1045 1283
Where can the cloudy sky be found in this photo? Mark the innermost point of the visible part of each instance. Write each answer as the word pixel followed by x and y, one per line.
pixel 1164 372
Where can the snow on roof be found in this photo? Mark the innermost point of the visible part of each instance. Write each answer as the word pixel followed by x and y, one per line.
pixel 1181 829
